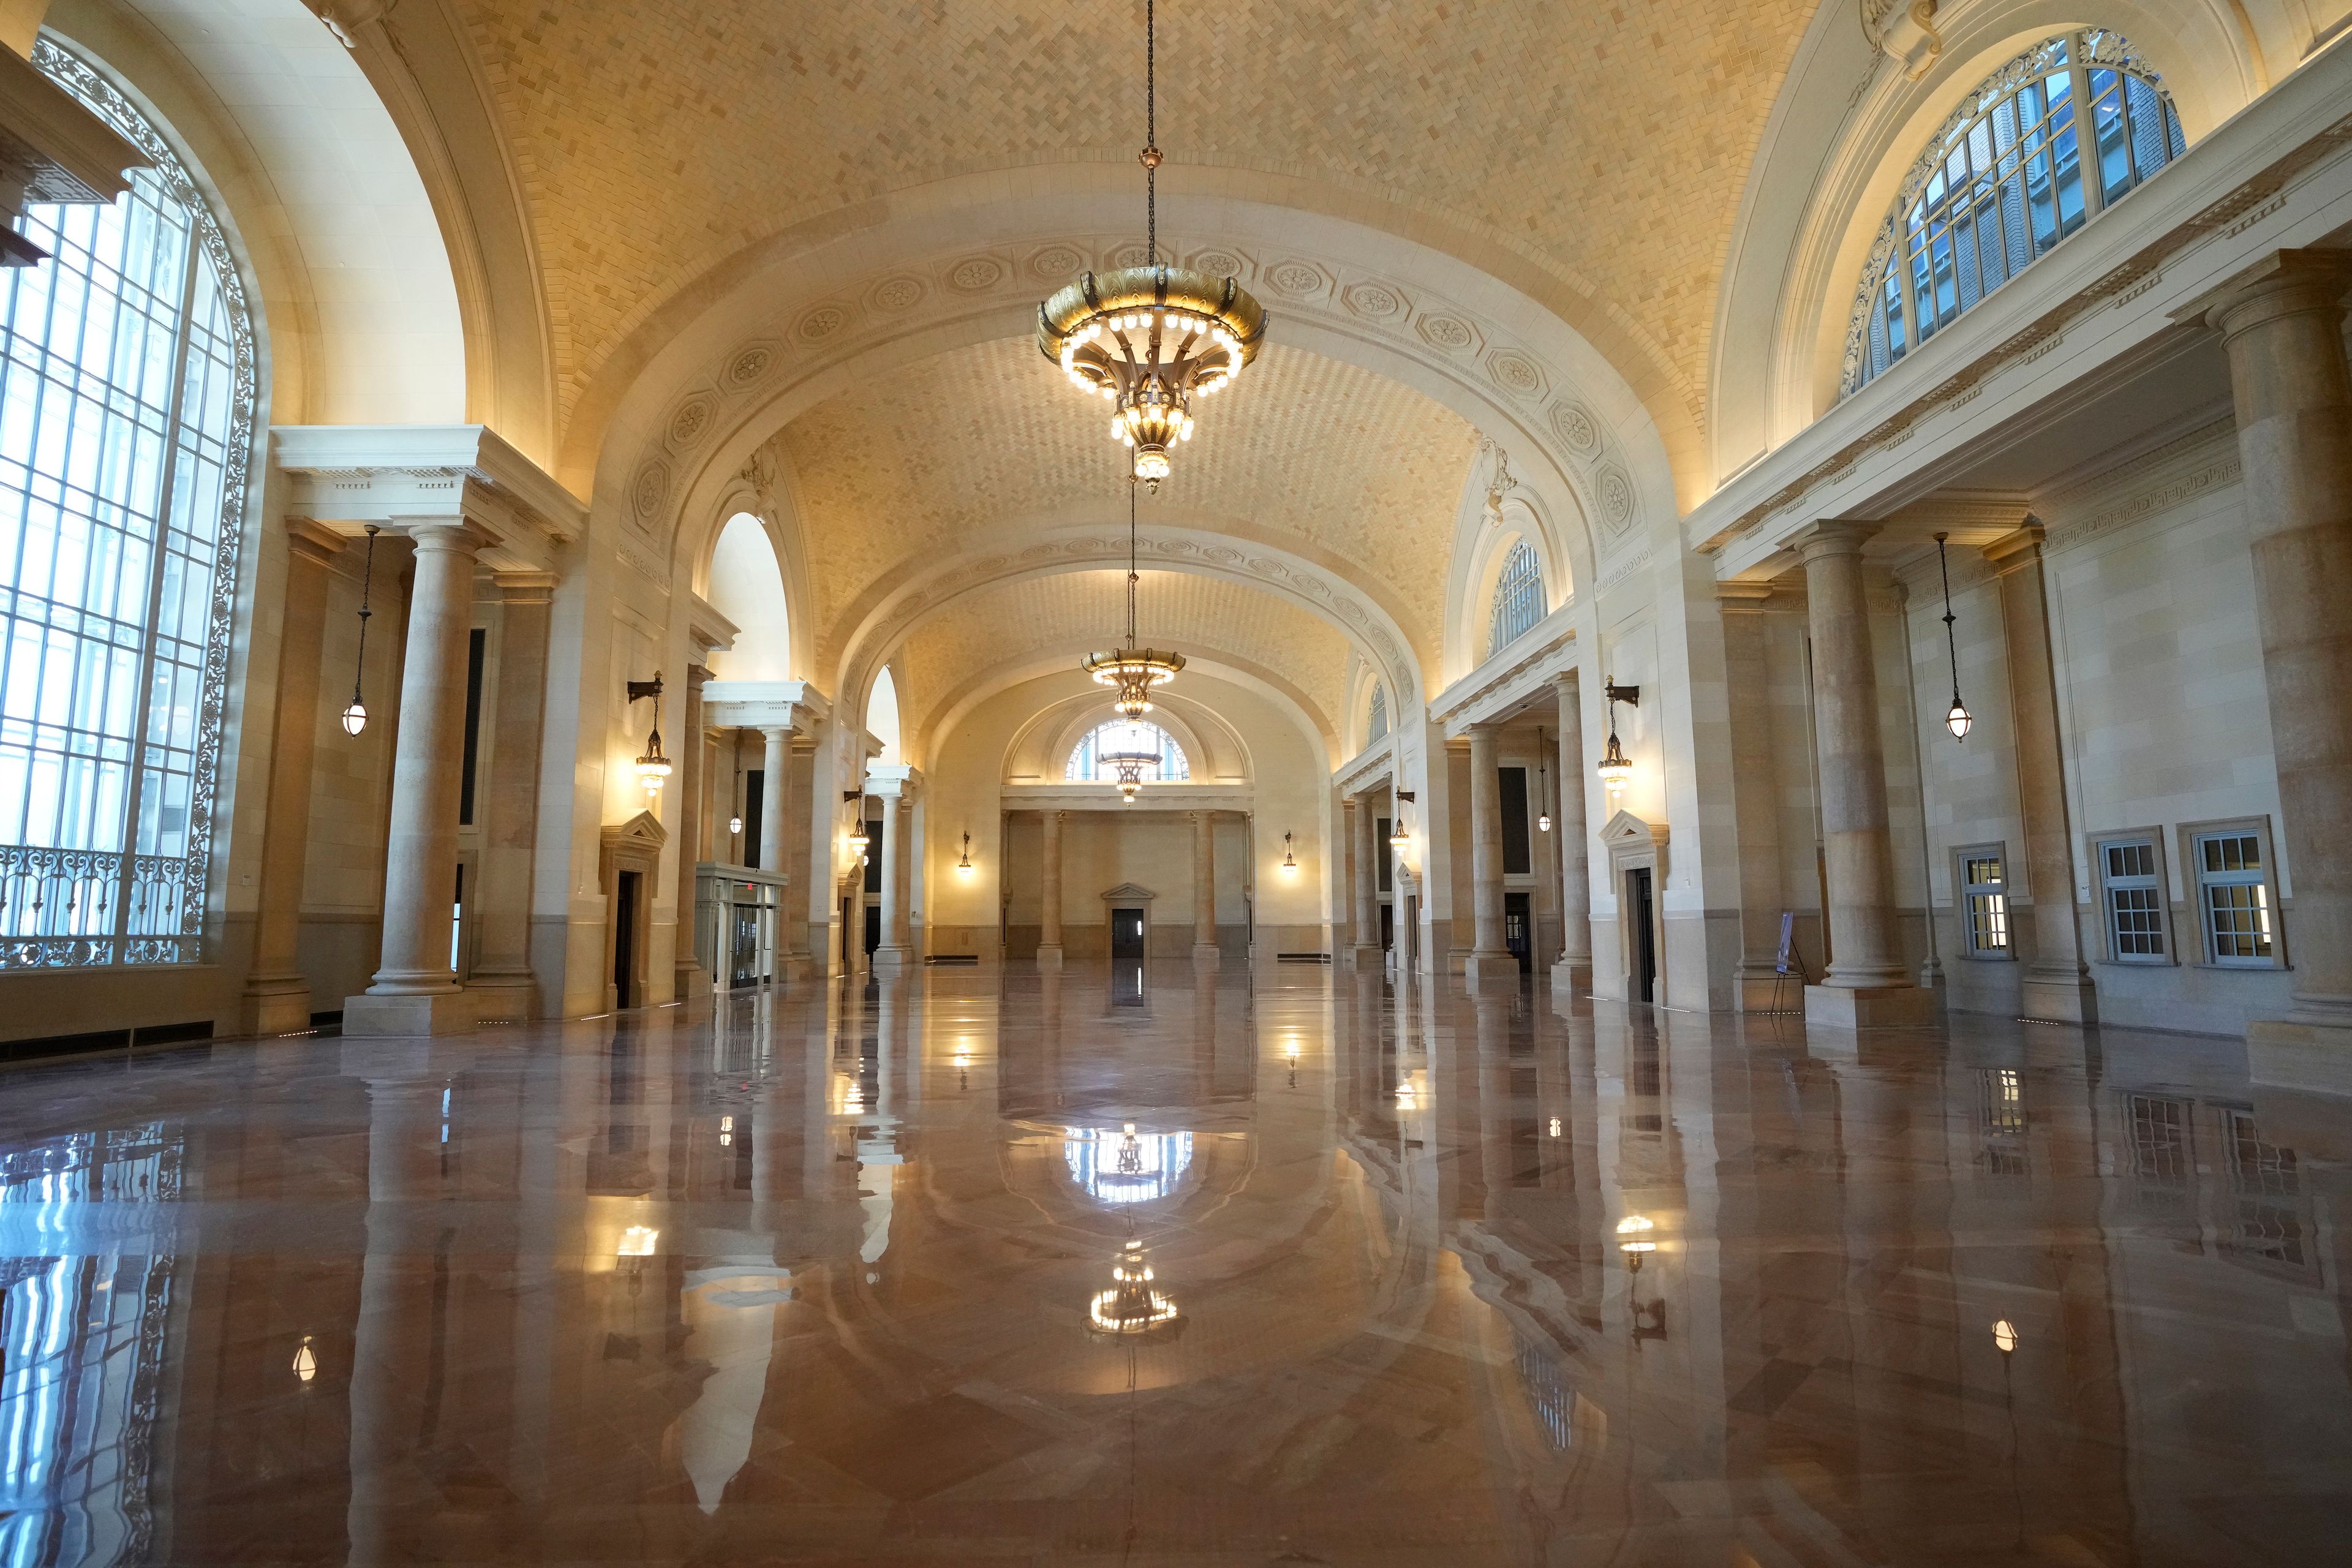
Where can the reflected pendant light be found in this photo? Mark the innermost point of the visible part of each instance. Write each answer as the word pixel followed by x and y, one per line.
pixel 1960 720
pixel 355 716
pixel 1150 340
pixel 1132 672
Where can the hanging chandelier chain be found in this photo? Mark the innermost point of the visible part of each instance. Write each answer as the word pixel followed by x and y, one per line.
pixel 367 589
pixel 1151 130
pixel 1951 640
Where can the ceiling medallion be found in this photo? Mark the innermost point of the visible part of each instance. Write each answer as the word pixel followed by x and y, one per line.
pixel 1132 671
pixel 1151 339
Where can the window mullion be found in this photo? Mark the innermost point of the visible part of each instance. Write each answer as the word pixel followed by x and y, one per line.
pixel 2087 167
pixel 135 791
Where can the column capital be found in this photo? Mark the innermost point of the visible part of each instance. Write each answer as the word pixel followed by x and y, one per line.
pixel 454 535
pixel 308 539
pixel 1830 536
pixel 2021 546
pixel 1742 597
pixel 2283 284
pixel 695 674
pixel 1567 682
pixel 525 587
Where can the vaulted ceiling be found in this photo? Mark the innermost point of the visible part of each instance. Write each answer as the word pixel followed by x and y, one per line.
pixel 971 450
pixel 1605 142
pixel 1250 629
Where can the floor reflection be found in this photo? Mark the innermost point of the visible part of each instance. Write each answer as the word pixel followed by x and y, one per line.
pixel 1302 1267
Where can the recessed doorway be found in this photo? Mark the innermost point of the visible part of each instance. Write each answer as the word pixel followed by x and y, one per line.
pixel 1643 931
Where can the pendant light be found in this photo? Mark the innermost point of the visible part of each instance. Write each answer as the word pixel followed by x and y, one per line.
pixel 1614 769
pixel 1960 720
pixel 1132 670
pixel 1543 783
pixel 1401 835
pixel 652 767
pixel 355 716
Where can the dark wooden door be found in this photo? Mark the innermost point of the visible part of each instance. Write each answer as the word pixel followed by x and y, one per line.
pixel 1645 934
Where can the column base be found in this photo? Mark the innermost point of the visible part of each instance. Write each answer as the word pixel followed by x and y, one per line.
pixel 2059 999
pixel 1495 968
pixel 2308 1058
pixel 1049 957
pixel 689 979
pixel 1869 1007
pixel 1768 992
pixel 371 1017
pixel 1569 975
pixel 1205 955
pixel 890 959
pixel 275 1006
pixel 500 997
pixel 795 967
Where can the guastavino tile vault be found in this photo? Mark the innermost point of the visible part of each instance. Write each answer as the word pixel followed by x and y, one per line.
pixel 1525 783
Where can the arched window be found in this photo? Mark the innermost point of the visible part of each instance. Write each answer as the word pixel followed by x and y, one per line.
pixel 2002 182
pixel 1086 766
pixel 1518 596
pixel 127 399
pixel 1376 728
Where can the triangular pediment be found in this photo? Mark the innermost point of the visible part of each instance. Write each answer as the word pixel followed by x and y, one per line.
pixel 1625 827
pixel 642 829
pixel 1128 893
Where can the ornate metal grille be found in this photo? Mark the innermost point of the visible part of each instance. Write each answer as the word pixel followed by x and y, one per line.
pixel 1519 597
pixel 2002 182
pixel 126 405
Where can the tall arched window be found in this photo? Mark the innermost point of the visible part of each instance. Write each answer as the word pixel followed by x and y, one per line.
pixel 127 400
pixel 2002 182
pixel 1518 596
pixel 1376 725
pixel 1087 766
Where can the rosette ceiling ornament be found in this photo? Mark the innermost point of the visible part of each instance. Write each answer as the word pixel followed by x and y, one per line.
pixel 1132 671
pixel 1150 340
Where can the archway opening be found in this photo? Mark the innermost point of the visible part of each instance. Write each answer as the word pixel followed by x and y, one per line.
pixel 747 587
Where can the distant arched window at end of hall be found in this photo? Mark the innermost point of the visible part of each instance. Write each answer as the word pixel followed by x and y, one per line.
pixel 2002 182
pixel 127 408
pixel 1519 597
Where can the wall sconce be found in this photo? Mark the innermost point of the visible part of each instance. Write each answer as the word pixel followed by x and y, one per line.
pixel 1615 770
pixel 1960 720
pixel 1289 865
pixel 1543 786
pixel 652 767
pixel 1401 835
pixel 857 839
pixel 355 716
pixel 964 862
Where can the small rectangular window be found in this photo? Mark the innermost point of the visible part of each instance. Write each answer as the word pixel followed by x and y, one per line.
pixel 2234 898
pixel 2131 878
pixel 1984 901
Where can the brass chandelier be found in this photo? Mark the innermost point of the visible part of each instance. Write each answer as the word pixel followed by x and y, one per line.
pixel 1151 339
pixel 1133 671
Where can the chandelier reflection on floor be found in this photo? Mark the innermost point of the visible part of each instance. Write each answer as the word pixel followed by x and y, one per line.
pixel 1127 1167
pixel 1131 1307
pixel 1151 339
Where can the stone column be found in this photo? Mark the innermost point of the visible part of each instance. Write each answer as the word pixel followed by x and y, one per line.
pixel 692 977
pixel 277 992
pixel 1489 960
pixel 1049 918
pixel 1367 852
pixel 775 787
pixel 1574 966
pixel 503 981
pixel 799 962
pixel 2283 326
pixel 1205 886
pixel 1756 984
pixel 2054 984
pixel 893 954
pixel 415 992
pixel 1867 984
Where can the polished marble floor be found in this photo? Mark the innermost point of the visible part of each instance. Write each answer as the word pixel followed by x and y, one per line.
pixel 1294 1269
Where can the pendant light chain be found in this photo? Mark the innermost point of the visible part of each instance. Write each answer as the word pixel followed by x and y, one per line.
pixel 1151 132
pixel 1958 720
pixel 367 590
pixel 1131 562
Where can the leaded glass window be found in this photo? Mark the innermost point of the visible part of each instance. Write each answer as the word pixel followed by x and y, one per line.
pixel 1087 766
pixel 2002 182
pixel 1518 596
pixel 127 400
pixel 1377 727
